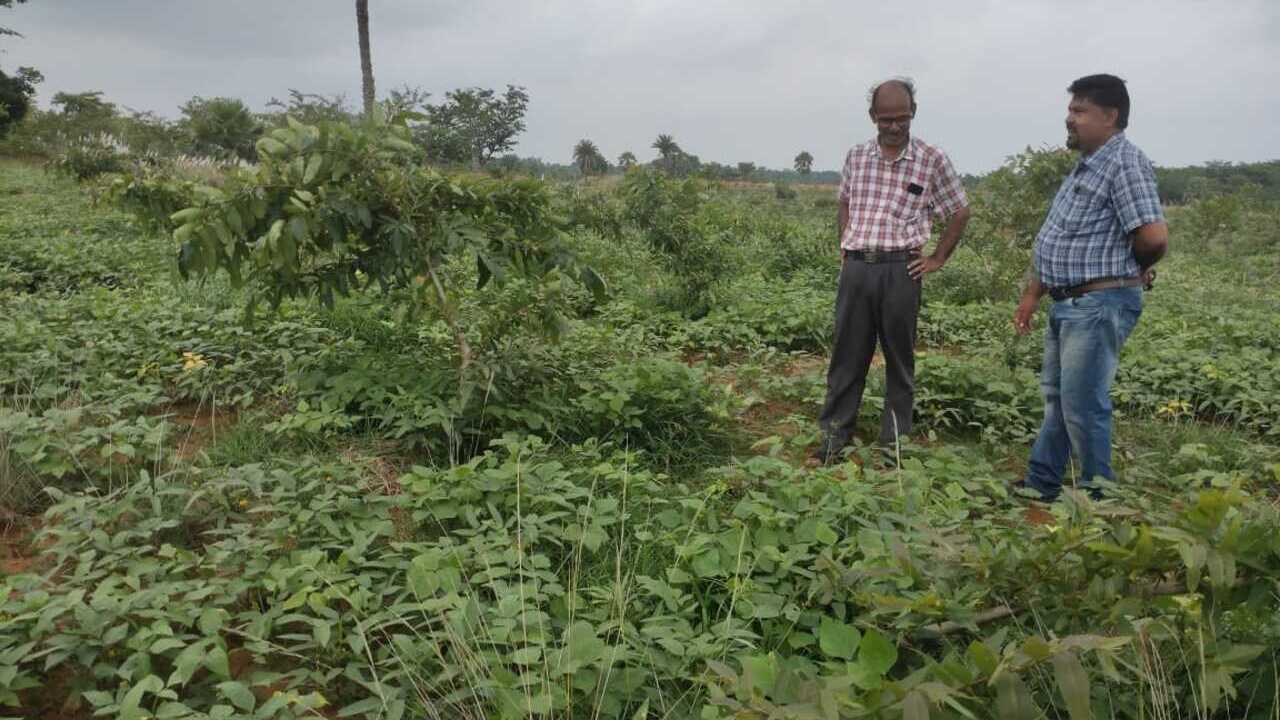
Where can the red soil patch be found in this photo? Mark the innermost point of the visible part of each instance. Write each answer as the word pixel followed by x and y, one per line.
pixel 1039 516
pixel 16 553
pixel 197 426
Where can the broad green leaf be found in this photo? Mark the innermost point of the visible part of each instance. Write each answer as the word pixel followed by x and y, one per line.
pixel 825 535
pixel 211 620
pixel 983 658
pixel 526 655
pixel 171 710
pixel 877 653
pixel 184 666
pixel 164 644
pixel 313 169
pixel 423 578
pixel 915 706
pixel 837 639
pixel 759 672
pixel 1036 648
pixel 238 693
pixel 270 146
pixel 321 631
pixel 1073 682
pixel 217 663
pixel 1013 700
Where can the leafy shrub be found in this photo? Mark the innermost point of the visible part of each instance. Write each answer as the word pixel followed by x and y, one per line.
pixel 783 191
pixel 90 157
pixel 671 215
pixel 221 127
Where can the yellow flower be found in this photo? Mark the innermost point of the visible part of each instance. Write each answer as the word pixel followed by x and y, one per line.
pixel 244 504
pixel 1174 409
pixel 193 361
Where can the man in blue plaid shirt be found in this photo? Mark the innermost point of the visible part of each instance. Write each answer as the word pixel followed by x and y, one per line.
pixel 1093 254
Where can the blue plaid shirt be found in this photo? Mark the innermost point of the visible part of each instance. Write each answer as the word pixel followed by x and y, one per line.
pixel 1086 235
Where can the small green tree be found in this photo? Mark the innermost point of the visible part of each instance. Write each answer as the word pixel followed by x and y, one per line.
pixel 587 157
pixel 674 218
pixel 668 151
pixel 746 170
pixel 83 105
pixel 309 109
pixel 627 160
pixel 332 209
pixel 16 93
pixel 221 127
pixel 473 125
pixel 804 162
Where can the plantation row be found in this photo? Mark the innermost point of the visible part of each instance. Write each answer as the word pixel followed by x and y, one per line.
pixel 553 469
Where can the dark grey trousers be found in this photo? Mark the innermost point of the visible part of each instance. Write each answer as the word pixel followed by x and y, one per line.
pixel 876 301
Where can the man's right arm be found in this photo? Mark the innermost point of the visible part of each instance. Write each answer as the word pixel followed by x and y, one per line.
pixel 846 190
pixel 1028 305
pixel 842 221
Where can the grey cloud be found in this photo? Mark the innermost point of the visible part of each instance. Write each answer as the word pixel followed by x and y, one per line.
pixel 731 79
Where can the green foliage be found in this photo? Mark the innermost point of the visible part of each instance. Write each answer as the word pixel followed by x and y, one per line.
pixel 221 127
pixel 310 109
pixel 474 125
pixel 88 104
pixel 615 525
pixel 587 158
pixel 16 93
pixel 804 162
pixel 336 208
pixel 675 222
pixel 89 158
pixel 1008 207
pixel 1186 184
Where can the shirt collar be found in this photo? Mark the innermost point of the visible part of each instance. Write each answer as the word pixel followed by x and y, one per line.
pixel 908 152
pixel 1107 150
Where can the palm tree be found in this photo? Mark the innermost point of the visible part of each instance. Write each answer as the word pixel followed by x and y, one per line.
pixel 587 157
pixel 667 149
pixel 804 162
pixel 366 59
pixel 626 160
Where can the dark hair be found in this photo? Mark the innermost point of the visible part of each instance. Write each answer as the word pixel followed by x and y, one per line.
pixel 905 83
pixel 1104 91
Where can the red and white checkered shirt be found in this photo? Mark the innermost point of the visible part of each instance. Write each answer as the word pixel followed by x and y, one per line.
pixel 892 202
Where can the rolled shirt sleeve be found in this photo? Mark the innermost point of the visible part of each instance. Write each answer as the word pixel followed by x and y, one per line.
pixel 948 196
pixel 1133 192
pixel 846 178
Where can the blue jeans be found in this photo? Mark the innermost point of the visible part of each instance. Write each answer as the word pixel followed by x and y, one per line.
pixel 1081 350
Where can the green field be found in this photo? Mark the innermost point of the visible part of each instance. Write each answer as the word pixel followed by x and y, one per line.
pixel 312 515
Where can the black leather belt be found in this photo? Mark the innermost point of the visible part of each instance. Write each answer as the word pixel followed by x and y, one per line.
pixel 1076 291
pixel 880 256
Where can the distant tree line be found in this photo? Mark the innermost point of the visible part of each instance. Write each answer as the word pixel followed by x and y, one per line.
pixel 1183 184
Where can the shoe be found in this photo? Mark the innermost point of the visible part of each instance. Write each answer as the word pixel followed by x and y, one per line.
pixel 829 451
pixel 1020 490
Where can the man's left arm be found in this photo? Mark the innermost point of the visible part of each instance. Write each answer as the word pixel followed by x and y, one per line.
pixel 948 200
pixel 1137 204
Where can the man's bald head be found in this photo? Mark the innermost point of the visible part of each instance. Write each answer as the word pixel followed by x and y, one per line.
pixel 899 88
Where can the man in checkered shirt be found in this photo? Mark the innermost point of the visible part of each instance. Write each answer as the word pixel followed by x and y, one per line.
pixel 1092 256
pixel 891 190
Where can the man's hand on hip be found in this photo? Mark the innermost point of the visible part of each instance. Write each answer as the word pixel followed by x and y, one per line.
pixel 922 266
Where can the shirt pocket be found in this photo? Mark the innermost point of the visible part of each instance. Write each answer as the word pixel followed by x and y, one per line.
pixel 906 205
pixel 1090 204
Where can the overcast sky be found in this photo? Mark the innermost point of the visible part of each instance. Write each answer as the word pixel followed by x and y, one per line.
pixel 731 80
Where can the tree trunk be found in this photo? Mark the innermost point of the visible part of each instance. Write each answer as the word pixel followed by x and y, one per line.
pixel 366 60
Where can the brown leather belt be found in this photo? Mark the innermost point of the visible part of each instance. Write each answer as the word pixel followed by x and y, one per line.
pixel 1076 291
pixel 881 256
